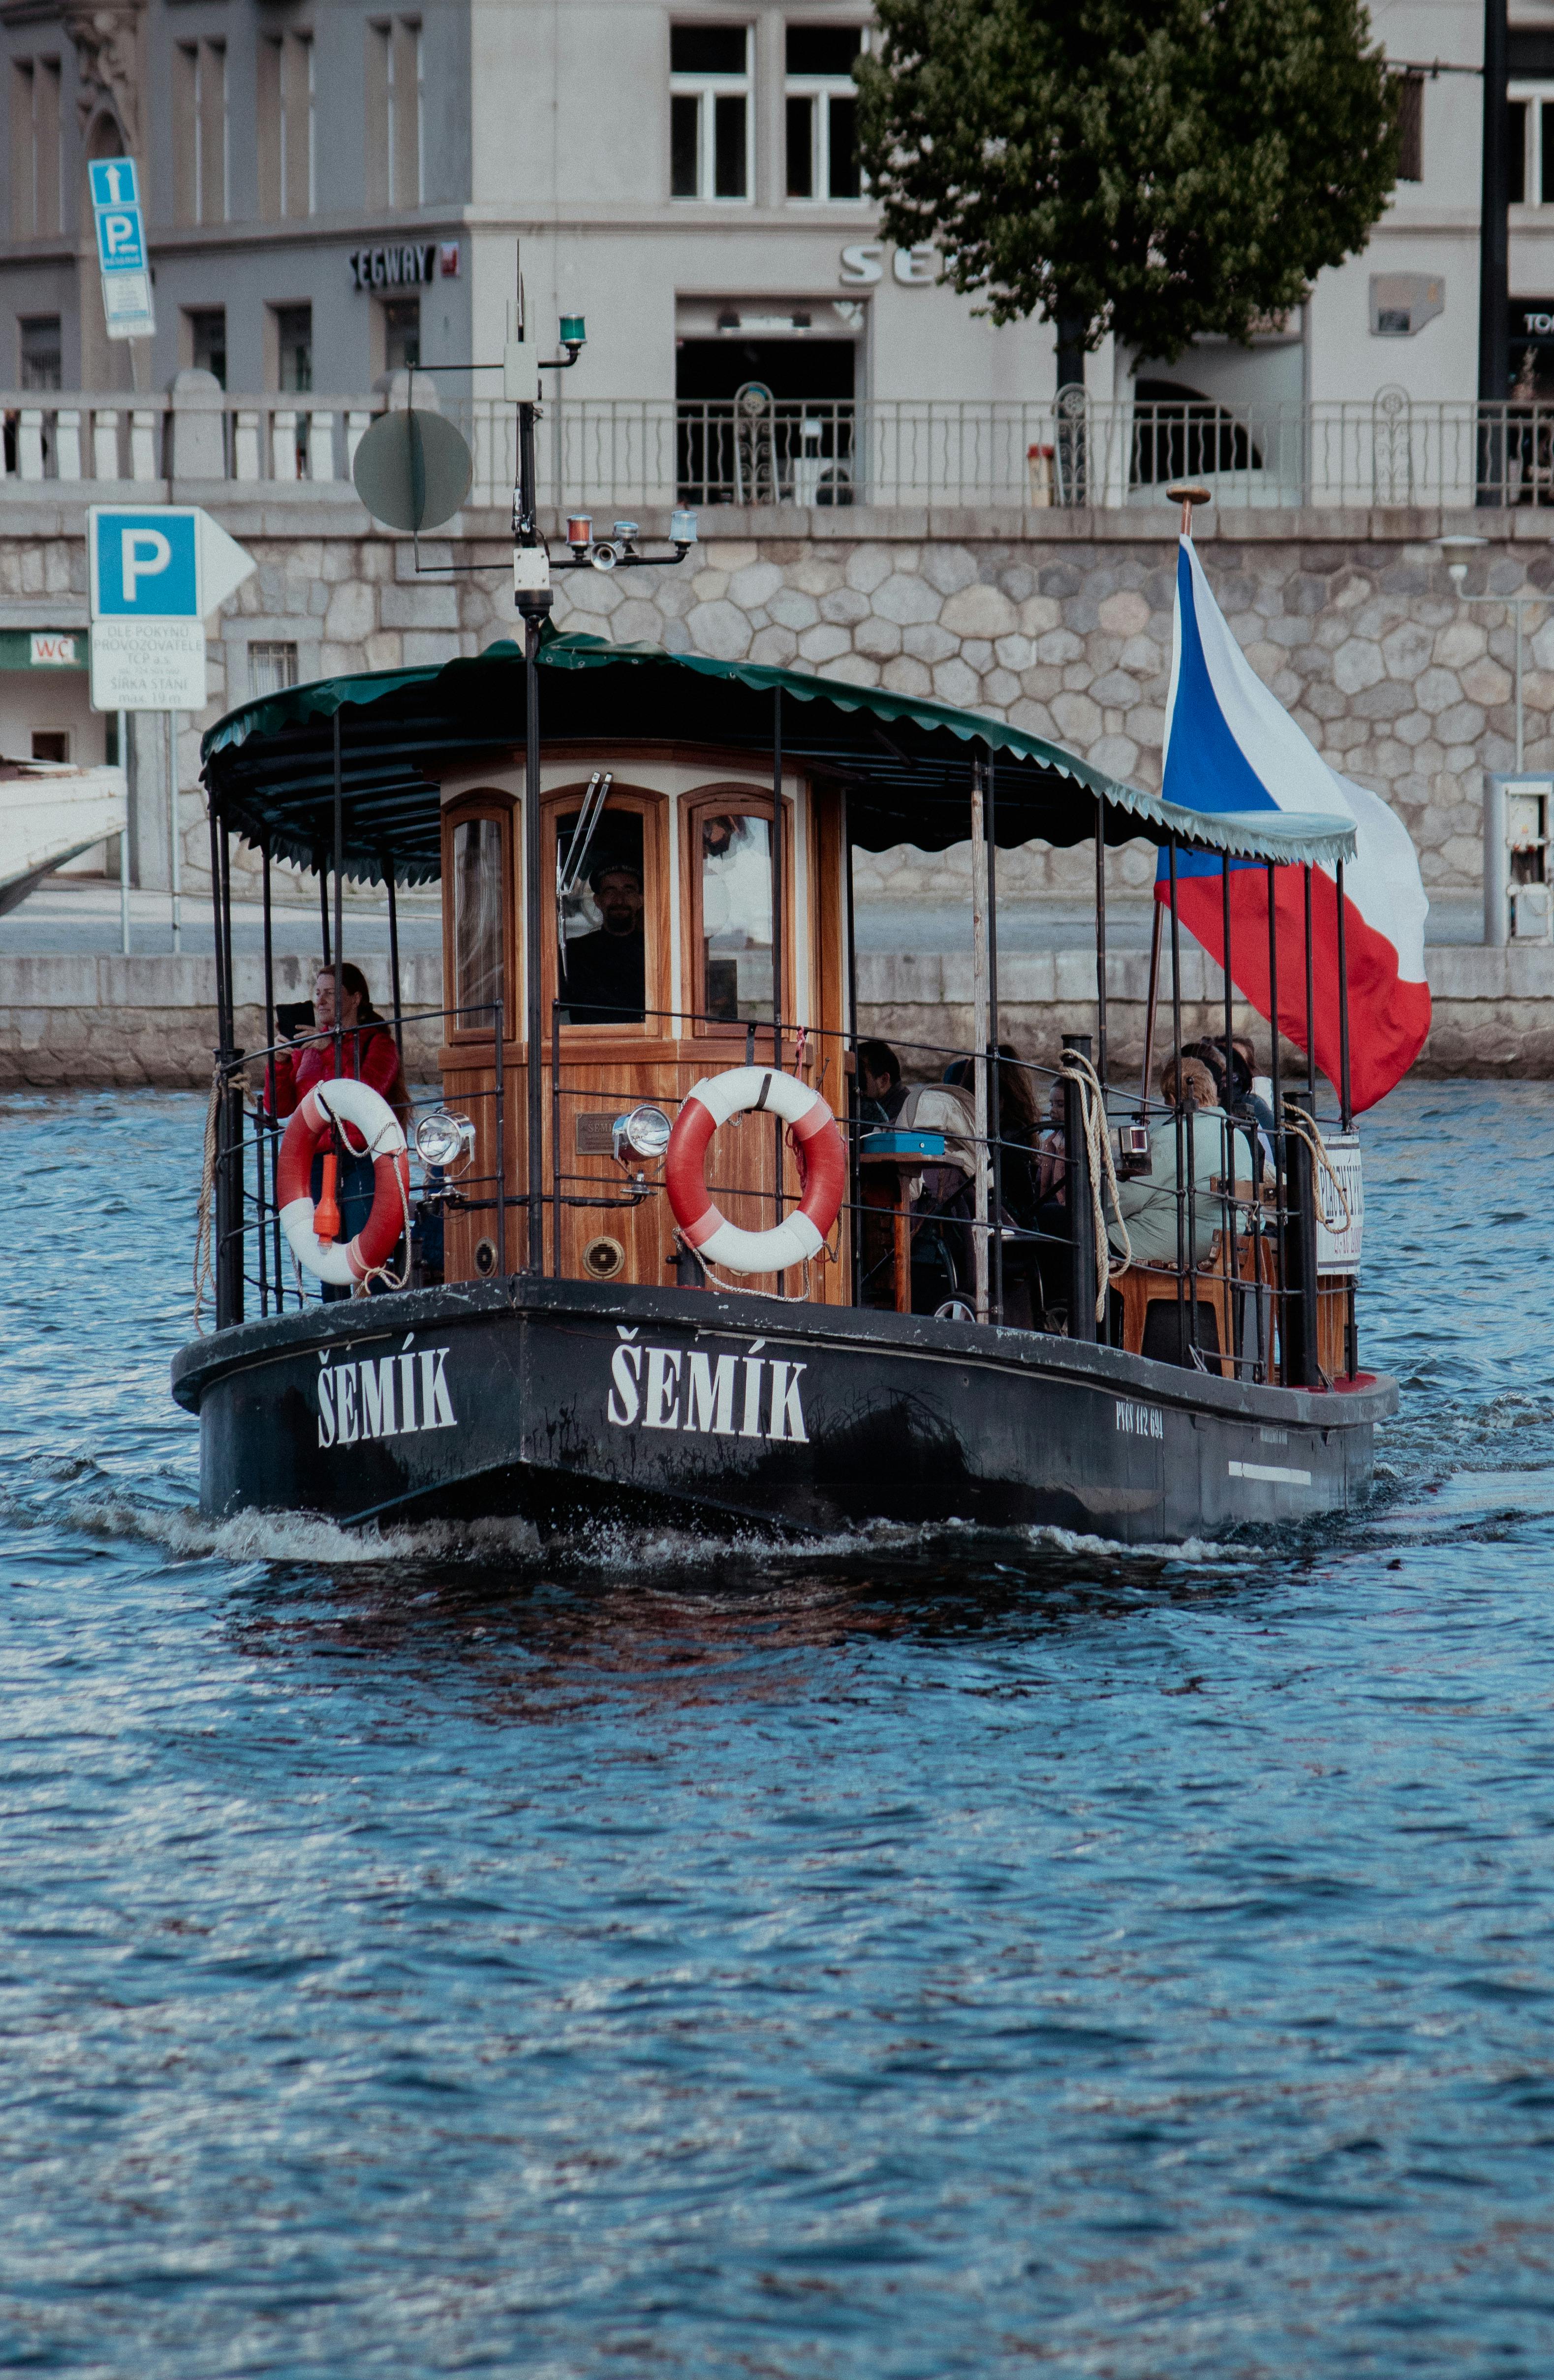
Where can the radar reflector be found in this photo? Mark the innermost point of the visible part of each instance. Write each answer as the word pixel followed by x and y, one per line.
pixel 412 470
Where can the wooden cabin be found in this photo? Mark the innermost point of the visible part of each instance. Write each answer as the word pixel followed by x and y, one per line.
pixel 680 990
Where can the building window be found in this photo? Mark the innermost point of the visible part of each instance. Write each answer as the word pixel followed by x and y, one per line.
pixel 1411 127
pixel 1530 146
pixel 52 744
pixel 286 126
pixel 200 132
pixel 35 210
pixel 402 334
pixel 294 343
pixel 272 667
pixel 712 122
pixel 823 112
pixel 395 175
pixel 207 340
pixel 41 355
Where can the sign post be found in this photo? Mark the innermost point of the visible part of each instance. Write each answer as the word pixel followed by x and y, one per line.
pixel 121 248
pixel 156 573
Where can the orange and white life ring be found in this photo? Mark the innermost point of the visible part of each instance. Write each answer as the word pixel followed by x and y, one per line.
pixel 822 1156
pixel 343 1102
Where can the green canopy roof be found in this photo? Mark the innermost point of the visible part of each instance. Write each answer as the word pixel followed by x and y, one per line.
pixel 905 761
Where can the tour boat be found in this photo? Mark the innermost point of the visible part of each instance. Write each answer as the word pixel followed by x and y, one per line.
pixel 689 1274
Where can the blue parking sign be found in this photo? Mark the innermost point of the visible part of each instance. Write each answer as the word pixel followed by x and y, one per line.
pixel 144 565
pixel 116 205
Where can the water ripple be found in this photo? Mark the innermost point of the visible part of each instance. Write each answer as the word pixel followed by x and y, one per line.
pixel 930 1953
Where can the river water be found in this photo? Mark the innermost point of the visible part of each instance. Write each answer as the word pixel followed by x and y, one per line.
pixel 933 1956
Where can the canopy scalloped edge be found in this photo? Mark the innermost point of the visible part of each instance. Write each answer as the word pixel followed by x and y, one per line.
pixel 1278 835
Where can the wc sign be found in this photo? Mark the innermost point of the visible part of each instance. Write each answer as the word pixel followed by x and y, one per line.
pixel 121 248
pixel 157 572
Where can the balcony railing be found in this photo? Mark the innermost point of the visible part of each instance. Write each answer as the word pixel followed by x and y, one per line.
pixel 610 454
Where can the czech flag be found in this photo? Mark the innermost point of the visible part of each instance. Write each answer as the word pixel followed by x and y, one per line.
pixel 1230 746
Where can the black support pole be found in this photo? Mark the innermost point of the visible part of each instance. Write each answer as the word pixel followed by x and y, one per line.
pixel 1281 1298
pixel 1101 939
pixel 394 954
pixel 1345 1093
pixel 1302 1368
pixel 339 892
pixel 1494 259
pixel 1310 999
pixel 777 952
pixel 995 1063
pixel 852 1092
pixel 324 906
pixel 533 984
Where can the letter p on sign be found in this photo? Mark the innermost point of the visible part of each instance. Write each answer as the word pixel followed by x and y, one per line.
pixel 144 564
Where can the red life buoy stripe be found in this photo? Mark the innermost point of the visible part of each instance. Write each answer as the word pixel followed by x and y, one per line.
pixel 333 1105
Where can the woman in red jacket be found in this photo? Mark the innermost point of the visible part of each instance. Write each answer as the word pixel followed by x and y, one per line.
pixel 368 1053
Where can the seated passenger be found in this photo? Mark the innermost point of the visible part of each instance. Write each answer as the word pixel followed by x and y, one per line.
pixel 369 1052
pixel 880 1095
pixel 1154 1205
pixel 604 975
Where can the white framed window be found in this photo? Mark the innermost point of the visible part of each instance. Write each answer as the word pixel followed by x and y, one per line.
pixel 821 112
pixel 1530 145
pixel 711 121
pixel 396 162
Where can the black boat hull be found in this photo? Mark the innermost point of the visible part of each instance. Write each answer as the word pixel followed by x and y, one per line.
pixel 563 1402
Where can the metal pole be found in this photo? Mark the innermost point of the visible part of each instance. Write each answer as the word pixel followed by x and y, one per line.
pixel 533 1001
pixel 1302 1365
pixel 1101 939
pixel 850 1103
pixel 995 1073
pixel 1520 722
pixel 1345 1095
pixel 777 949
pixel 394 954
pixel 1185 1218
pixel 340 894
pixel 269 1071
pixel 979 1082
pixel 1155 934
pixel 175 856
pixel 324 907
pixel 124 839
pixel 1494 304
pixel 1082 1258
pixel 1310 999
pixel 1278 1134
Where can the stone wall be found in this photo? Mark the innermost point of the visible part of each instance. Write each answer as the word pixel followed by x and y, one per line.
pixel 80 1023
pixel 1059 623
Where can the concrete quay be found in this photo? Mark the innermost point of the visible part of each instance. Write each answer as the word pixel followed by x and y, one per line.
pixel 84 1020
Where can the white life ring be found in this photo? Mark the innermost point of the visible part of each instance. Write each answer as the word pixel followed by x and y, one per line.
pixel 803 1234
pixel 343 1101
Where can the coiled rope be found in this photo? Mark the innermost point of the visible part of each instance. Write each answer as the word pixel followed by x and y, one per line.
pixel 1305 1128
pixel 1097 1142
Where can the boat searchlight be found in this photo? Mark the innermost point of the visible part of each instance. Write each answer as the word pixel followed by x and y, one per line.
pixel 645 1132
pixel 442 1138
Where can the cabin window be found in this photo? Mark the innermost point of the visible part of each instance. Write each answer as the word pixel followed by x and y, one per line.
pixel 733 858
pixel 601 916
pixel 479 868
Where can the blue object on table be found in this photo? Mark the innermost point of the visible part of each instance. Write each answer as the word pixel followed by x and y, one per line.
pixel 901 1144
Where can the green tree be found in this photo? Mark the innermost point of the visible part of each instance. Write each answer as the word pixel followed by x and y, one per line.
pixel 1156 168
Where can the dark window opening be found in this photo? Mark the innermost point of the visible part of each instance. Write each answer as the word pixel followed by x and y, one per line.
pixel 728 145
pixel 823 49
pixel 41 366
pixel 51 744
pixel 603 965
pixel 765 420
pixel 402 334
pixel 801 148
pixel 207 341
pixel 684 137
pixel 293 334
pixel 707 49
pixel 1180 433
pixel 1411 127
pixel 844 176
pixel 1516 152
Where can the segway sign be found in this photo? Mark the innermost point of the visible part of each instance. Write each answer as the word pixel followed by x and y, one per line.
pixel 155 573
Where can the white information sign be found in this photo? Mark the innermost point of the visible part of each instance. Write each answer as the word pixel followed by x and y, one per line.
pixel 1339 1243
pixel 157 572
pixel 148 665
pixel 121 248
